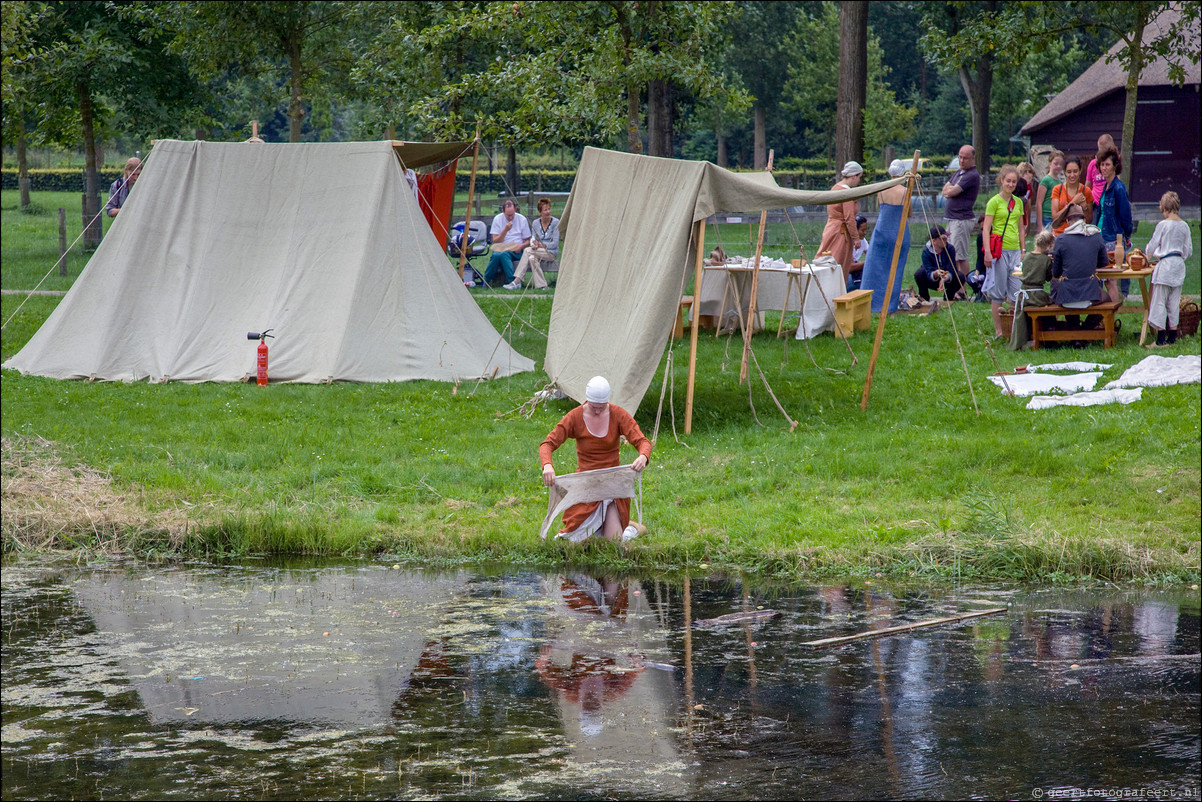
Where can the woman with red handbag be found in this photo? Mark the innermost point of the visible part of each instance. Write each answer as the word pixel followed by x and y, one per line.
pixel 1003 235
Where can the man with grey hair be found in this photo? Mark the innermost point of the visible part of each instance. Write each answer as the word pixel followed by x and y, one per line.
pixel 961 194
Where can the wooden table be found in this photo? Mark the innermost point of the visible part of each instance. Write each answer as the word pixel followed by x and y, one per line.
pixel 1123 271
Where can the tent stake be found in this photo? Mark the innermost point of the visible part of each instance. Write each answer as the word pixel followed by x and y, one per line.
pixel 880 326
pixel 876 633
pixel 471 193
pixel 696 311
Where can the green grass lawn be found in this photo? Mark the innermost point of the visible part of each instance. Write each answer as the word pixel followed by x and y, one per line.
pixel 917 484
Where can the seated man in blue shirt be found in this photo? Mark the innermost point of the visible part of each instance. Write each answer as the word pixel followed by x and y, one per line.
pixel 510 236
pixel 938 271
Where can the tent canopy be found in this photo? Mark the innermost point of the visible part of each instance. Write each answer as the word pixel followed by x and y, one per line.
pixel 629 254
pixel 323 243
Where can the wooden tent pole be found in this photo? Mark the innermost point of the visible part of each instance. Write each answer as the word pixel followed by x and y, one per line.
pixel 471 194
pixel 755 285
pixel 749 326
pixel 880 326
pixel 696 311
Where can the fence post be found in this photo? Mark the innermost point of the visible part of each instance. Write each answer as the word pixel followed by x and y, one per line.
pixel 62 241
pixel 530 204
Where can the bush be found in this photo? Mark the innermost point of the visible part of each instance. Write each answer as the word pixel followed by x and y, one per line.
pixel 68 179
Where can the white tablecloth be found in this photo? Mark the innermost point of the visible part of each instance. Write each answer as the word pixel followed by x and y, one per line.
pixel 774 283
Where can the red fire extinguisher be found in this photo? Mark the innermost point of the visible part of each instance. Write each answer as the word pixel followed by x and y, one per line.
pixel 261 360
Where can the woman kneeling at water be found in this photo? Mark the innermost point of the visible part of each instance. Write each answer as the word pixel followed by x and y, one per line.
pixel 596 426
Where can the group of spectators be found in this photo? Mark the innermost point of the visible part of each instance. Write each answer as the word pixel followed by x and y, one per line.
pixel 1079 214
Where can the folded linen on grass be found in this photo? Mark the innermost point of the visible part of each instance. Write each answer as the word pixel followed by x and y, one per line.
pixel 1161 371
pixel 1086 399
pixel 1024 384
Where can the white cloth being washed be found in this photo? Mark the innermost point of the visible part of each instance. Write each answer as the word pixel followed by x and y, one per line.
pixel 1086 399
pixel 1161 371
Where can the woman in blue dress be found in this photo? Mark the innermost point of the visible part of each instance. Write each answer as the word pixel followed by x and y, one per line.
pixel 884 238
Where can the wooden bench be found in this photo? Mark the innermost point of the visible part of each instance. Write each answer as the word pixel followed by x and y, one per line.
pixel 686 304
pixel 1039 314
pixel 853 312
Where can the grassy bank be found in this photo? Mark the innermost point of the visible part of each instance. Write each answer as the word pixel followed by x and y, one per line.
pixel 918 484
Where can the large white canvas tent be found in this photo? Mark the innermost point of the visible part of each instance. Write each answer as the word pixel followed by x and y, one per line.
pixel 324 243
pixel 628 249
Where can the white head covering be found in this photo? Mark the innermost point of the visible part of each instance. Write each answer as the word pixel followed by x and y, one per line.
pixel 597 390
pixel 851 168
pixel 896 168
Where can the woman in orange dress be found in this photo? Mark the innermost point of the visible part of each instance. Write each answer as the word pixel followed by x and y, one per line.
pixel 841 235
pixel 596 426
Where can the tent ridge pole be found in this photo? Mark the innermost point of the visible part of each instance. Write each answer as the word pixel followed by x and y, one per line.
pixel 880 326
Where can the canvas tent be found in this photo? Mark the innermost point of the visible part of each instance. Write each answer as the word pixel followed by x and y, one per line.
pixel 324 243
pixel 628 250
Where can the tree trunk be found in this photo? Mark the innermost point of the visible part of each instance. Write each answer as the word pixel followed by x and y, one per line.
pixel 1127 148
pixel 723 157
pixel 91 199
pixel 22 165
pixel 296 110
pixel 511 171
pixel 853 80
pixel 760 154
pixel 978 93
pixel 659 118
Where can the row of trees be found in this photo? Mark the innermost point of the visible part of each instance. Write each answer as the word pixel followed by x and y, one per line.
pixel 716 80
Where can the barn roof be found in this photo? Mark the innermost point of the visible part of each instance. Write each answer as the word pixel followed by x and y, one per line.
pixel 1105 76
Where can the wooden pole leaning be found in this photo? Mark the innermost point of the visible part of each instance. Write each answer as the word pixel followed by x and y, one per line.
pixel 749 327
pixel 880 326
pixel 696 310
pixel 471 193
pixel 755 285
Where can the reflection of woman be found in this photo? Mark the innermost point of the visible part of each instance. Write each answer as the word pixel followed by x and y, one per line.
pixel 884 241
pixel 840 236
pixel 596 426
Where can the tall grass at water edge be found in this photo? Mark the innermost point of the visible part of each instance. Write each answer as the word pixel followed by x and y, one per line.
pixel 918 484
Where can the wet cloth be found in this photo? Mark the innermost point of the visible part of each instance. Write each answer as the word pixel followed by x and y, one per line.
pixel 876 267
pixel 594 452
pixel 602 485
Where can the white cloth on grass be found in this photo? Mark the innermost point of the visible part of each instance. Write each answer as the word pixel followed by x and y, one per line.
pixel 1086 399
pixel 1024 384
pixel 1161 371
pixel 1073 367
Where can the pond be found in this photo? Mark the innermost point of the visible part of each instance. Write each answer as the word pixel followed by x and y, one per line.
pixel 324 680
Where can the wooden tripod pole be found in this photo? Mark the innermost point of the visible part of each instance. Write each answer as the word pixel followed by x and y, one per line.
pixel 696 310
pixel 471 194
pixel 880 326
pixel 749 328
pixel 749 325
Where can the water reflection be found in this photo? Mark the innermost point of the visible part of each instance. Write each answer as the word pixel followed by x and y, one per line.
pixel 361 681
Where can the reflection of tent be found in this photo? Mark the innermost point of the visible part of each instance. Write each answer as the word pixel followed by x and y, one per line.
pixel 327 647
pixel 629 254
pixel 323 243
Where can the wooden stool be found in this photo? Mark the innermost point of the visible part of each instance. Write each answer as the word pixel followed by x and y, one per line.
pixel 853 311
pixel 686 303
